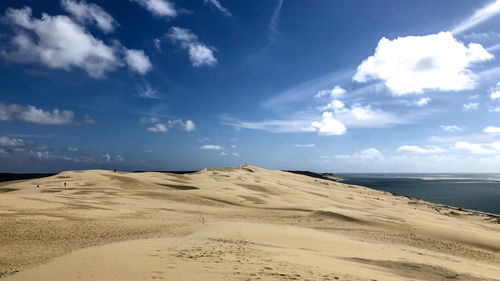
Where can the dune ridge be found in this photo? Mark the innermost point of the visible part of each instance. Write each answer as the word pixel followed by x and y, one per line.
pixel 244 223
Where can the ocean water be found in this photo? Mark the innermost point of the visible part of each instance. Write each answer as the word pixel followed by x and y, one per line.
pixel 479 192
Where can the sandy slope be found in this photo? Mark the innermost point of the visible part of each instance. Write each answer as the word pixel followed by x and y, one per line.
pixel 234 224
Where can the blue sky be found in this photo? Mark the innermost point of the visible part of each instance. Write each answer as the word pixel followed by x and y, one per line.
pixel 337 86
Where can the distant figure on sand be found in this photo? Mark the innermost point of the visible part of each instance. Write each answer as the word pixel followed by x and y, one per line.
pixel 37 186
pixel 64 184
pixel 114 170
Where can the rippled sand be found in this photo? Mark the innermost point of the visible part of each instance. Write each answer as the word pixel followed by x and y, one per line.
pixel 245 223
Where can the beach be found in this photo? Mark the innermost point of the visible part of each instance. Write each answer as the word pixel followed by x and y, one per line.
pixel 244 223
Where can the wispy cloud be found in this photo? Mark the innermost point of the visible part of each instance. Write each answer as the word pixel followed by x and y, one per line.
pixel 310 145
pixel 306 90
pixel 273 23
pixel 479 16
pixel 217 5
pixel 273 126
pixel 366 154
pixel 479 148
pixel 145 90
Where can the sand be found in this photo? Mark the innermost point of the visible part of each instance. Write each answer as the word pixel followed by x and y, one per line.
pixel 245 223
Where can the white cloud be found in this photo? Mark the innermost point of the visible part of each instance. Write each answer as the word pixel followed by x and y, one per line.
pixel 216 4
pixel 40 154
pixel 119 158
pixel 157 42
pixel 478 17
pixel 337 91
pixel 57 42
pixel 305 145
pixel 199 53
pixel 328 125
pixel 423 101
pixel 211 147
pixel 31 114
pixel 145 120
pixel 420 150
pixel 138 61
pixel 11 142
pixel 496 109
pixel 479 148
pixel 161 127
pixel 186 126
pixel 491 130
pixel 235 154
pixel 21 149
pixel 471 106
pixel 178 34
pixel 189 126
pixel 335 104
pixel 495 95
pixel 25 151
pixel 413 64
pixel 367 154
pixel 158 128
pixel 106 157
pixel 72 149
pixel 451 128
pixel 223 153
pixel 90 14
pixel 159 8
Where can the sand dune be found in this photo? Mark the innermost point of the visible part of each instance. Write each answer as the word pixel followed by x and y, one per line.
pixel 245 223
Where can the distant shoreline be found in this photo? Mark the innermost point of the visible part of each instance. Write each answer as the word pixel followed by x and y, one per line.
pixel 25 176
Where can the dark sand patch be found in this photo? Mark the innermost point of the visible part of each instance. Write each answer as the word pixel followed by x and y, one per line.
pixel 333 215
pixel 179 187
pixel 253 199
pixel 50 190
pixel 7 189
pixel 257 188
pixel 418 270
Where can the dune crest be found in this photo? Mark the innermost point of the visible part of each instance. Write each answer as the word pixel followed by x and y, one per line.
pixel 244 223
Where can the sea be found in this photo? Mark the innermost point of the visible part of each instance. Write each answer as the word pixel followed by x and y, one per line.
pixel 480 192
